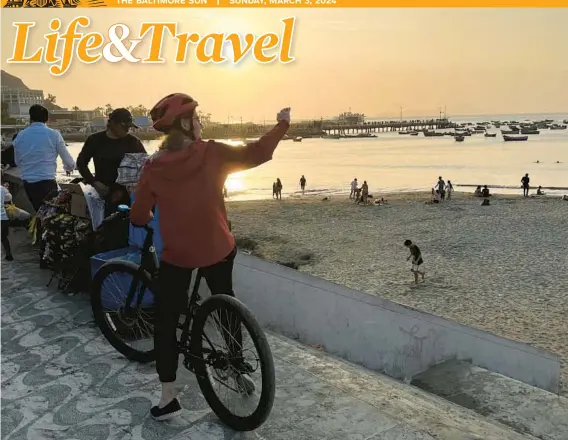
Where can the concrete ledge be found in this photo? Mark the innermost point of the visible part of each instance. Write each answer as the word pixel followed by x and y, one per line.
pixel 378 334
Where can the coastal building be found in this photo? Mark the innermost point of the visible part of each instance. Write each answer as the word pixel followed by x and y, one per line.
pixel 20 100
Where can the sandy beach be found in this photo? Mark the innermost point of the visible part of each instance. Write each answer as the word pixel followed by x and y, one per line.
pixel 501 268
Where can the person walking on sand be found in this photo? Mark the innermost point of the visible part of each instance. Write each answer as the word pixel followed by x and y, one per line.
pixel 274 190
pixel 417 260
pixel 354 185
pixel 278 189
pixel 525 184
pixel 449 189
pixel 303 184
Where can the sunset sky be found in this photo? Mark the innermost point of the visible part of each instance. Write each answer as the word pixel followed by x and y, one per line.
pixel 474 61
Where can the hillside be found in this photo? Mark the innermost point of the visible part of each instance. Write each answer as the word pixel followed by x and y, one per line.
pixel 12 81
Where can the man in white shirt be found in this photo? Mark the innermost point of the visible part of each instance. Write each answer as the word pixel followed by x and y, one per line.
pixel 5 197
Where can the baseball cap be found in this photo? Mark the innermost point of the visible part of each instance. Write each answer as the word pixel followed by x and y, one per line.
pixel 122 116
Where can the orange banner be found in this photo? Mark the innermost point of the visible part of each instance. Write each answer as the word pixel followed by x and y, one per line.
pixel 285 3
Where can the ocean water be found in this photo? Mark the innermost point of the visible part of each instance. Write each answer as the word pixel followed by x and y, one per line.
pixel 400 163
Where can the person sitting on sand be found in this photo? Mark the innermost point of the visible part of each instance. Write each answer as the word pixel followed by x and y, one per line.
pixel 477 192
pixel 485 192
pixel 357 195
pixel 354 183
pixel 417 260
pixel 436 198
pixel 539 191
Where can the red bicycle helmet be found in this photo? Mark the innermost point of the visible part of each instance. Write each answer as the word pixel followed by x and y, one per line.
pixel 170 109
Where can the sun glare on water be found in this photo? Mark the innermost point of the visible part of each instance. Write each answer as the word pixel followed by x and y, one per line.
pixel 235 182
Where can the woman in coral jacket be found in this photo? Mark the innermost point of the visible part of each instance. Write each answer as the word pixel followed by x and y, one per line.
pixel 185 180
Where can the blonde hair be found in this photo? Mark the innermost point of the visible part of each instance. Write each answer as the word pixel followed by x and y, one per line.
pixel 175 140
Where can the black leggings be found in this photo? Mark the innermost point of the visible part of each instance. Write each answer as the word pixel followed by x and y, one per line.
pixel 172 299
pixel 5 239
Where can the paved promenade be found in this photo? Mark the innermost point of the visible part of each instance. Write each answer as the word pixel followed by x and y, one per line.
pixel 61 380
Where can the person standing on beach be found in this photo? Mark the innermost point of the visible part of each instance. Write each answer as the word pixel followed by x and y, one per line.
pixel 525 184
pixel 449 189
pixel 441 187
pixel 364 192
pixel 354 184
pixel 303 184
pixel 278 189
pixel 417 260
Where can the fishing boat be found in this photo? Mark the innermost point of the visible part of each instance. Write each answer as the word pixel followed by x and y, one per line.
pixel 507 138
pixel 558 127
pixel 490 135
pixel 459 138
pixel 432 133
pixel 413 133
pixel 509 132
pixel 529 131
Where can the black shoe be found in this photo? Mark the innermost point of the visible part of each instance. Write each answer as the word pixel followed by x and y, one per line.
pixel 170 410
pixel 9 257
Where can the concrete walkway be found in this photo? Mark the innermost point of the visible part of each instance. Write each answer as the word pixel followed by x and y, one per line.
pixel 62 380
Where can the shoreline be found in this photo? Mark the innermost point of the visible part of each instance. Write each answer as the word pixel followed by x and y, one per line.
pixel 501 268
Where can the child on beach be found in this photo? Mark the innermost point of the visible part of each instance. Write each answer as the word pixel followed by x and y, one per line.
pixel 5 197
pixel 303 184
pixel 417 260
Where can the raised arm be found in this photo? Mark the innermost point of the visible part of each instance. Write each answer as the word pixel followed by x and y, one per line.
pixel 68 162
pixel 255 153
pixel 144 201
pixel 83 160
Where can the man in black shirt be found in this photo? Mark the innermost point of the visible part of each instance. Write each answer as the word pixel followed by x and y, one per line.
pixel 417 260
pixel 525 184
pixel 107 149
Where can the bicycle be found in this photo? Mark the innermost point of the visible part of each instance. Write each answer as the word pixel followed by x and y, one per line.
pixel 116 318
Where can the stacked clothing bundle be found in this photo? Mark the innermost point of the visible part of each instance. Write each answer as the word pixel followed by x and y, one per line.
pixel 64 241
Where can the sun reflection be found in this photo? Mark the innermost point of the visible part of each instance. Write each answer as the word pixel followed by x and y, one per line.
pixel 235 182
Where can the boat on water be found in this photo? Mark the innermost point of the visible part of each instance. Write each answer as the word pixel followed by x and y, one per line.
pixel 508 138
pixel 462 133
pixel 490 135
pixel 459 138
pixel 504 132
pixel 558 127
pixel 432 133
pixel 529 131
pixel 298 139
pixel 413 133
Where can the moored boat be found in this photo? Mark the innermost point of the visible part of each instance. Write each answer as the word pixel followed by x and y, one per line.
pixel 459 138
pixel 507 138
pixel 298 139
pixel 509 132
pixel 490 135
pixel 529 131
pixel 558 127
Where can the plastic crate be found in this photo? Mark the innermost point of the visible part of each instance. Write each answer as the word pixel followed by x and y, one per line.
pixel 115 290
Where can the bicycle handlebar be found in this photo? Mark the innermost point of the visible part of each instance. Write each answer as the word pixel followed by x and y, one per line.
pixel 125 209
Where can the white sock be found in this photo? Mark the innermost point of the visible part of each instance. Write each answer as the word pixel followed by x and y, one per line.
pixel 168 393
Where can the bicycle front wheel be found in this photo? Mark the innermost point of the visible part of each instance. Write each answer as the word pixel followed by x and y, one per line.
pixel 239 385
pixel 129 328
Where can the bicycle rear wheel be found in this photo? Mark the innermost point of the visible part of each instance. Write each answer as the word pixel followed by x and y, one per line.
pixel 221 359
pixel 129 328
